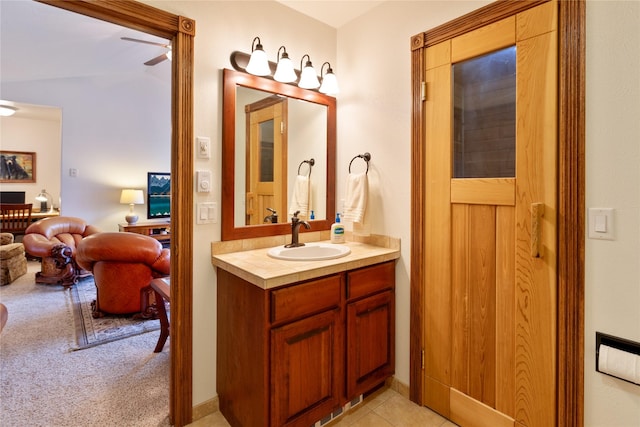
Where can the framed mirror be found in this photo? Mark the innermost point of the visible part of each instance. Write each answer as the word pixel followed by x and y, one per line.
pixel 293 135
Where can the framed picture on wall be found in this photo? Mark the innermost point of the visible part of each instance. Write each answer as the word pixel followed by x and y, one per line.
pixel 17 166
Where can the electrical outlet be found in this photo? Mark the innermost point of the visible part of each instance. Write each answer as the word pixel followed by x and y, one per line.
pixel 203 147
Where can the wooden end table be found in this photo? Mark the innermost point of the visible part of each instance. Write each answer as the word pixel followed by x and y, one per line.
pixel 163 293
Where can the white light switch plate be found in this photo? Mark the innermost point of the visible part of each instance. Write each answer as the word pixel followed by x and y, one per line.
pixel 601 224
pixel 203 147
pixel 207 213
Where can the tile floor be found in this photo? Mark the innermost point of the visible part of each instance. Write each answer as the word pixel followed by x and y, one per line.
pixel 384 408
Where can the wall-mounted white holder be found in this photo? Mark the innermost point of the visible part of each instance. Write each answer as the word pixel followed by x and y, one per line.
pixel 618 357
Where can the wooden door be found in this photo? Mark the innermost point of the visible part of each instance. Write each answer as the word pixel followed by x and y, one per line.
pixel 266 160
pixel 490 231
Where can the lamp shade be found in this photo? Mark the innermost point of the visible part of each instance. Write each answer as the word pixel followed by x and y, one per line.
pixel 131 197
pixel 284 71
pixel 7 110
pixel 329 84
pixel 308 76
pixel 258 62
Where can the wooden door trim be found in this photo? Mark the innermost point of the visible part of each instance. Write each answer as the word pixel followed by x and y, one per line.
pixel 181 31
pixel 571 195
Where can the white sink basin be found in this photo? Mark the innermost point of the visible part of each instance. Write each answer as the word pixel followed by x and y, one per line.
pixel 310 252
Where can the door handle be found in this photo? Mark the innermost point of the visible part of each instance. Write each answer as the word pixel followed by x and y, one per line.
pixel 537 212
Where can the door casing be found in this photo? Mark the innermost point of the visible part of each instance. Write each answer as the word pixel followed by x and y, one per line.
pixel 571 178
pixel 181 32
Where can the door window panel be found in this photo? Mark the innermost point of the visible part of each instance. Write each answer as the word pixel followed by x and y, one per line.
pixel 266 151
pixel 484 116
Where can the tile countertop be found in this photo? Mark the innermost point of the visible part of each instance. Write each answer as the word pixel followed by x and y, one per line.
pixel 255 266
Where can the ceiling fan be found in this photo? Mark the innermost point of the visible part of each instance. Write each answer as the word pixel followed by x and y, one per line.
pixel 158 58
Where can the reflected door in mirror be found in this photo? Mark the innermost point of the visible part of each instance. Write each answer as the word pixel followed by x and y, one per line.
pixel 266 159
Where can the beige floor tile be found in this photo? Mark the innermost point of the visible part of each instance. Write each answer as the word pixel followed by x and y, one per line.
pixel 371 420
pixel 401 412
pixel 384 408
pixel 212 420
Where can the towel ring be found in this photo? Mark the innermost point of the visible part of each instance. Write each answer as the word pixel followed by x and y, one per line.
pixel 366 157
pixel 311 163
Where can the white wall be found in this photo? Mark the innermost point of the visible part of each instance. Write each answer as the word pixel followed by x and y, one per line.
pixel 612 297
pixel 221 28
pixel 109 134
pixel 35 129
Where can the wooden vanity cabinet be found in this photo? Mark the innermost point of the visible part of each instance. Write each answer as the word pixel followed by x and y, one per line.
pixel 281 352
pixel 307 348
pixel 370 327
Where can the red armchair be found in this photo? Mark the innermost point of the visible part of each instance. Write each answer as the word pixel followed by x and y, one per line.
pixel 123 265
pixel 55 240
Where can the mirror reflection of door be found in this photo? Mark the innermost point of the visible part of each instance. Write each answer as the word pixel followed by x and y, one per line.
pixel 266 174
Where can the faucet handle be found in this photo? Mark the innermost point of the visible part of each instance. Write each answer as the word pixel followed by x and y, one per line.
pixel 295 216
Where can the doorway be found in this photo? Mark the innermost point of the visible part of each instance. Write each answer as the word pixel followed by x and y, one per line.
pixel 570 185
pixel 181 32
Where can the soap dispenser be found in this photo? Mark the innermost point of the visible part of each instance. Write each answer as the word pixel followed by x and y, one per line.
pixel 337 231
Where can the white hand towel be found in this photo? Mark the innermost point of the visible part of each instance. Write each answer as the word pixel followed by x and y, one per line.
pixel 301 196
pixel 355 202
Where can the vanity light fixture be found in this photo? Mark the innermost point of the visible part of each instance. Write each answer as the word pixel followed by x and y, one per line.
pixel 284 71
pixel 7 110
pixel 258 63
pixel 329 81
pixel 308 76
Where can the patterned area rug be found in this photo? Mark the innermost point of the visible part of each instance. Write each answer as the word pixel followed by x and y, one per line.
pixel 91 332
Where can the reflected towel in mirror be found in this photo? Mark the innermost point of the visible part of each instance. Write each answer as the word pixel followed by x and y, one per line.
pixel 301 196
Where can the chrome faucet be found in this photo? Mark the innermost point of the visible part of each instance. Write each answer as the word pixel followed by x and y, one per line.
pixel 295 230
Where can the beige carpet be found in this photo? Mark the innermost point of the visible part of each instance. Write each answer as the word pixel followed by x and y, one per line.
pixel 44 383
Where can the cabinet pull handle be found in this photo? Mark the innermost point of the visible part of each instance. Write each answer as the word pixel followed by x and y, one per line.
pixel 537 212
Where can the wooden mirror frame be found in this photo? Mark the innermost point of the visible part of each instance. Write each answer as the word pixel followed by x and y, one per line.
pixel 181 32
pixel 232 79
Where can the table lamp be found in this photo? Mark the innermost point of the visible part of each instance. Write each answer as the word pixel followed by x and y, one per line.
pixel 131 197
pixel 45 200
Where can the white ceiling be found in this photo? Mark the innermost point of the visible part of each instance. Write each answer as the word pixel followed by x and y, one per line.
pixel 82 46
pixel 335 13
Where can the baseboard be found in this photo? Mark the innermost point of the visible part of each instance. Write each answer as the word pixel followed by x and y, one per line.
pixel 399 387
pixel 211 406
pixel 205 408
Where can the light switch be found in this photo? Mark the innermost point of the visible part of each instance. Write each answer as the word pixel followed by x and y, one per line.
pixel 203 147
pixel 601 224
pixel 206 213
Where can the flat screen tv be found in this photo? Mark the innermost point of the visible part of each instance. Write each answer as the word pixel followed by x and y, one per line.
pixel 158 195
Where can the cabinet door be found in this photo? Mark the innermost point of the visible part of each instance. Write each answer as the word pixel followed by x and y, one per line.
pixel 306 369
pixel 370 342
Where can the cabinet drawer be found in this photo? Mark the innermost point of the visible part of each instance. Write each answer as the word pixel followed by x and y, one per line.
pixel 305 299
pixel 370 280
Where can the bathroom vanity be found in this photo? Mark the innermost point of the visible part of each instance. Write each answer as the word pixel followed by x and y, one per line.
pixel 299 340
